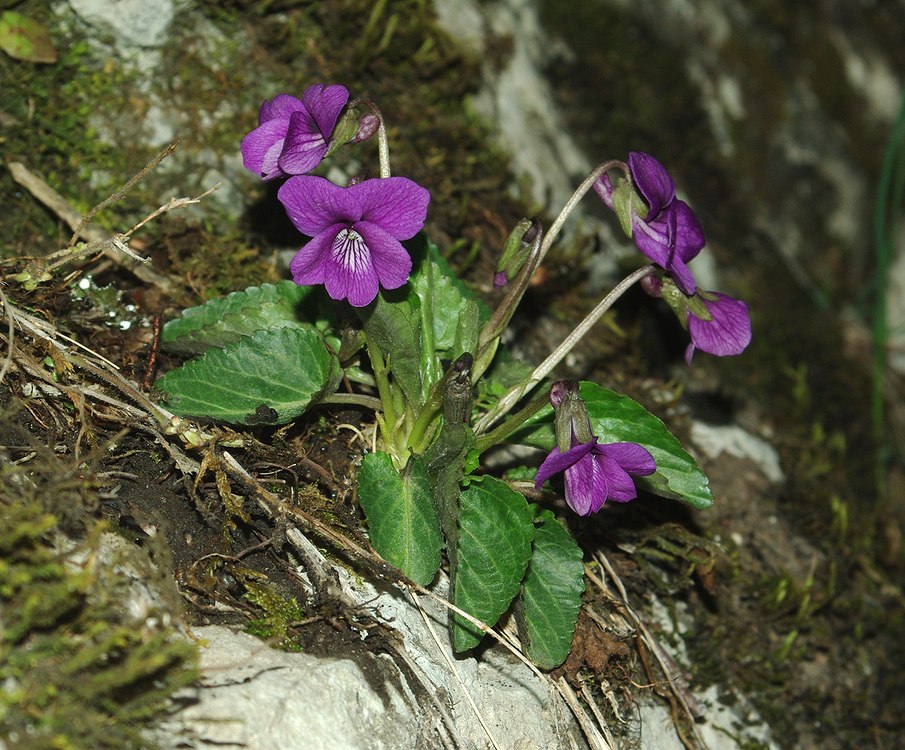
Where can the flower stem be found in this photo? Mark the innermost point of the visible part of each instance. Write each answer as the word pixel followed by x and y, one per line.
pixel 387 402
pixel 514 394
pixel 499 434
pixel 494 327
pixel 383 150
pixel 579 193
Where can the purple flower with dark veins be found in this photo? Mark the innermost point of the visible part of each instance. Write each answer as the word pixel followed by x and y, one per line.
pixel 595 473
pixel 355 233
pixel 669 233
pixel 727 332
pixel 294 135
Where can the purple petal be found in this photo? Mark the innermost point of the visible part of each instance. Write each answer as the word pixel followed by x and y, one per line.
pixel 324 103
pixel 262 146
pixel 689 233
pixel 282 106
pixel 683 277
pixel 309 265
pixel 633 458
pixel 652 181
pixel 617 484
pixel 556 461
pixel 305 144
pixel 349 269
pixel 397 204
pixel 729 331
pixel 391 261
pixel 586 486
pixel 314 203
pixel 652 240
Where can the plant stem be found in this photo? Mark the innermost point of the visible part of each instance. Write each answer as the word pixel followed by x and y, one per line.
pixel 353 399
pixel 579 193
pixel 514 394
pixel 499 434
pixel 383 149
pixel 388 423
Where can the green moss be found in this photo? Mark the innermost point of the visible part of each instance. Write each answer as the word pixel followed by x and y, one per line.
pixel 76 671
pixel 279 612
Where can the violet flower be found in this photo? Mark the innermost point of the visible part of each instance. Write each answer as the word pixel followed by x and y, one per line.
pixel 727 332
pixel 595 473
pixel 355 233
pixel 669 233
pixel 293 135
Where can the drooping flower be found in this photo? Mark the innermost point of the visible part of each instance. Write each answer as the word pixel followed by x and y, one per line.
pixel 594 472
pixel 717 324
pixel 355 233
pixel 293 135
pixel 669 233
pixel 727 332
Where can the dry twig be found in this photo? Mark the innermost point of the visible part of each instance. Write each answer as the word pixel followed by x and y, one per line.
pixel 116 248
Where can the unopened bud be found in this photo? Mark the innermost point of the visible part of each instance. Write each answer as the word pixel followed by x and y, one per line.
pixel 515 251
pixel 570 415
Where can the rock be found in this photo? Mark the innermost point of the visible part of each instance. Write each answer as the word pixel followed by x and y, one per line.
pixel 133 23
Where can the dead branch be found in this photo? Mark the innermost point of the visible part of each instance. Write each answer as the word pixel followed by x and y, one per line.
pixel 116 247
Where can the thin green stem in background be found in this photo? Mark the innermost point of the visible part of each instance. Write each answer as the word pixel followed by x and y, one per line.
pixel 887 208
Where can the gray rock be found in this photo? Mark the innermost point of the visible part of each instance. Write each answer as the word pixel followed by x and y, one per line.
pixel 133 23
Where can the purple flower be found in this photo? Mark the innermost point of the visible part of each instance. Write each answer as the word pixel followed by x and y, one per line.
pixel 595 473
pixel 355 233
pixel 727 332
pixel 669 234
pixel 293 135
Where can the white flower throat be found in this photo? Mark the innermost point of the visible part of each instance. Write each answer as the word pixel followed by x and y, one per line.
pixel 349 250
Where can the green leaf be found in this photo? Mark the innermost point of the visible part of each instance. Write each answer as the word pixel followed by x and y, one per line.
pixel 448 304
pixel 550 600
pixel 268 378
pixel 402 519
pixel 616 418
pixel 225 319
pixel 25 39
pixel 393 323
pixel 495 533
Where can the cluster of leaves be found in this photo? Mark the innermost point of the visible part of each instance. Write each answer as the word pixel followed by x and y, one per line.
pixel 269 353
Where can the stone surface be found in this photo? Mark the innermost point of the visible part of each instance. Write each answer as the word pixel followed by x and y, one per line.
pixel 132 23
pixel 253 696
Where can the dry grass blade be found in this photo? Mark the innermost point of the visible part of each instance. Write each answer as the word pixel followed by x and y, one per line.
pixel 10 336
pixel 674 678
pixel 116 247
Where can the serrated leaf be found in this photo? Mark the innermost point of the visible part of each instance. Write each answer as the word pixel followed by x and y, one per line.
pixel 25 39
pixel 222 320
pixel 268 378
pixel 495 533
pixel 617 418
pixel 550 599
pixel 402 519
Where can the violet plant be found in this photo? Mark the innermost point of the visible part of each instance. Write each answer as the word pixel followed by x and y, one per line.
pixel 373 306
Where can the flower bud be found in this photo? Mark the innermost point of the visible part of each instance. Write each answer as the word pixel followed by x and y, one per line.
pixel 516 251
pixel 570 415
